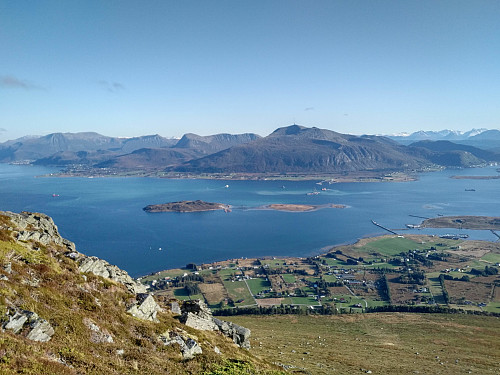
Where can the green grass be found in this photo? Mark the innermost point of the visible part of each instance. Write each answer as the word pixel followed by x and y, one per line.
pixel 258 285
pixel 435 288
pixel 182 295
pixel 303 301
pixel 330 278
pixel 491 257
pixel 238 290
pixel 288 278
pixel 493 307
pixel 167 273
pixel 334 262
pixel 390 246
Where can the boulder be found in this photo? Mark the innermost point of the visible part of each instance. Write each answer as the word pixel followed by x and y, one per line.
pixel 188 346
pixel 240 335
pixel 175 308
pixel 38 329
pixel 197 315
pixel 146 308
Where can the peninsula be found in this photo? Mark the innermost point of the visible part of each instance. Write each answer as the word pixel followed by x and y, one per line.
pixel 463 222
pixel 186 206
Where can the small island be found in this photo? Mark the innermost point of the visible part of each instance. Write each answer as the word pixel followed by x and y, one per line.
pixel 300 207
pixel 187 206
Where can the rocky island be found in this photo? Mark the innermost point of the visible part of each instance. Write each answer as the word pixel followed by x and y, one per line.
pixel 186 206
pixel 300 207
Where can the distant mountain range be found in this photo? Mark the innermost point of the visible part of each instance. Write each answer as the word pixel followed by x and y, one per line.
pixel 291 149
pixel 482 138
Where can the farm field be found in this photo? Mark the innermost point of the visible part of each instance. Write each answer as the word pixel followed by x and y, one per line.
pixel 373 272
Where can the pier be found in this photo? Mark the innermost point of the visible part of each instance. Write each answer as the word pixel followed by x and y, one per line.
pixel 384 228
pixel 495 233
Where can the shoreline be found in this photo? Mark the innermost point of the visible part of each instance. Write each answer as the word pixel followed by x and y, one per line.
pixel 331 178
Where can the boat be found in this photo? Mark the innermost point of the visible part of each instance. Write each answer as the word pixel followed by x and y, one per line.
pixel 226 186
pixel 55 195
pixel 470 189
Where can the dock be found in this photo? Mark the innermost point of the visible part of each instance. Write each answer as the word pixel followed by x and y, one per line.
pixel 384 228
pixel 495 233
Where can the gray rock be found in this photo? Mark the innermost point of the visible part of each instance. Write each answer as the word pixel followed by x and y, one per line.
pixel 15 322
pixel 240 335
pixel 102 268
pixel 32 226
pixel 38 329
pixel 41 330
pixel 146 308
pixel 8 268
pixel 188 346
pixel 175 308
pixel 98 335
pixel 197 315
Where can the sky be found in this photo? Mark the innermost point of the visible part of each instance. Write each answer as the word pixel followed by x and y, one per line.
pixel 130 68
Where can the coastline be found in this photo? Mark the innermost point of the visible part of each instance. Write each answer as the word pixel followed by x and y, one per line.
pixel 331 178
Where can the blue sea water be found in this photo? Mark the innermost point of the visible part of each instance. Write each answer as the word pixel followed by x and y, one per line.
pixel 104 216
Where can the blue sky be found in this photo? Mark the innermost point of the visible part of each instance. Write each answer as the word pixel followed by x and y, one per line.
pixel 128 68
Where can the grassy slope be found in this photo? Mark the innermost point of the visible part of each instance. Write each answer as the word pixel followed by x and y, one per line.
pixel 65 298
pixel 382 343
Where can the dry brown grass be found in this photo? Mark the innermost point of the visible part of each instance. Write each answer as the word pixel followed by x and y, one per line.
pixel 389 343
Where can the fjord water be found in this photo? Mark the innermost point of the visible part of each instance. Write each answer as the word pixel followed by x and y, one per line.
pixel 104 216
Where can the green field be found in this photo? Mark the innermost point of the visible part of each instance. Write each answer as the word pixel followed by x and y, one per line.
pixel 288 278
pixel 181 294
pixel 330 278
pixel 238 290
pixel 302 301
pixel 435 288
pixel 491 257
pixel 333 262
pixel 390 246
pixel 258 285
pixel 389 344
pixel 493 307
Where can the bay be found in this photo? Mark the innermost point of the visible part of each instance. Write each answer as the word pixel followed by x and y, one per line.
pixel 104 216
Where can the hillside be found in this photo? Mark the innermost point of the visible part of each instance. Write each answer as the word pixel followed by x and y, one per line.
pixel 63 312
pixel 304 150
pixel 35 148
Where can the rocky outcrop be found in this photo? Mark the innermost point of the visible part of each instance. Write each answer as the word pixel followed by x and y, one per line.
pixel 33 226
pixel 197 315
pixel 188 346
pixel 98 335
pixel 30 324
pixel 240 335
pixel 146 308
pixel 102 268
